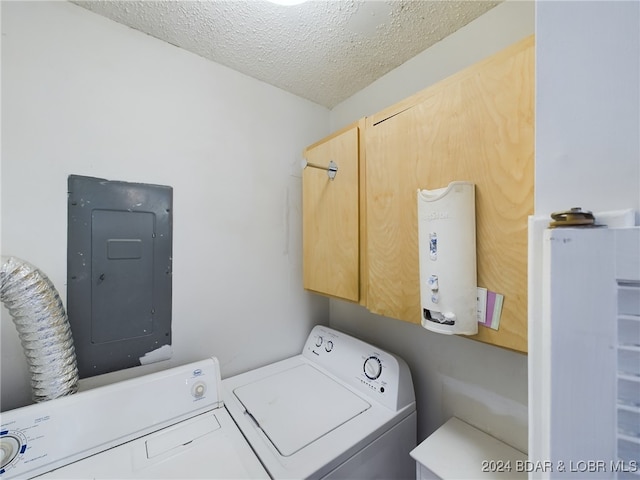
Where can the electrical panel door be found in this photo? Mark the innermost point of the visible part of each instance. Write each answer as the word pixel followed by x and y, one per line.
pixel 118 273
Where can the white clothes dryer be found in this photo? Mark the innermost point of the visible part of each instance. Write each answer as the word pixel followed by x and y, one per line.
pixel 340 409
pixel 170 424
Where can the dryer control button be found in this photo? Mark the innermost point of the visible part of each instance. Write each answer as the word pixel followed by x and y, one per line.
pixel 199 389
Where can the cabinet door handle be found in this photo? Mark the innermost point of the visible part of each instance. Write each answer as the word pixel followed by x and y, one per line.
pixel 332 169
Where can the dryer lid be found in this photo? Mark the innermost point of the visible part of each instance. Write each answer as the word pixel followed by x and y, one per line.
pixel 298 406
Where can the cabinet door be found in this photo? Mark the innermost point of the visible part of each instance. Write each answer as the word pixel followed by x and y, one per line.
pixel 476 126
pixel 330 217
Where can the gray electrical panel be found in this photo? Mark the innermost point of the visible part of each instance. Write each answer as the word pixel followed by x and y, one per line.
pixel 119 267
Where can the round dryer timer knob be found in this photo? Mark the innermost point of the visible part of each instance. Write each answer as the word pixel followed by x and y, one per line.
pixel 372 367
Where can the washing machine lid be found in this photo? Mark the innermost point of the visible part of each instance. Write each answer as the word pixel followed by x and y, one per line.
pixel 296 407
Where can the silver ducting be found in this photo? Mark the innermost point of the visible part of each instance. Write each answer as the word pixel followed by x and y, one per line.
pixel 43 328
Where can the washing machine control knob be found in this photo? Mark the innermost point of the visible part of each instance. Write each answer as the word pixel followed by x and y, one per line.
pixel 318 341
pixel 372 367
pixel 9 449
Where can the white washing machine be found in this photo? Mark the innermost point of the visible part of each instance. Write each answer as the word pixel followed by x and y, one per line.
pixel 170 424
pixel 340 409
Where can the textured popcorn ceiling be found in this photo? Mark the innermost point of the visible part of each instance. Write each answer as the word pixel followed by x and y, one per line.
pixel 324 51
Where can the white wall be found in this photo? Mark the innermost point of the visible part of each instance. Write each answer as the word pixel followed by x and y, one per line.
pixel 84 95
pixel 588 105
pixel 454 376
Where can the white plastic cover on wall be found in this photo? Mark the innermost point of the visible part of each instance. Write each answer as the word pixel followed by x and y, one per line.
pixel 447 256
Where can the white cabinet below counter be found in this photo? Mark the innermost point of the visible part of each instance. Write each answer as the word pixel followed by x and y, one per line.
pixel 458 450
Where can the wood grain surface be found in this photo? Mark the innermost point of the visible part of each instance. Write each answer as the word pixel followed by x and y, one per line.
pixel 476 126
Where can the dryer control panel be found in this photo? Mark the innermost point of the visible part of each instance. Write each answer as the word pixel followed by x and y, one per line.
pixel 39 438
pixel 382 376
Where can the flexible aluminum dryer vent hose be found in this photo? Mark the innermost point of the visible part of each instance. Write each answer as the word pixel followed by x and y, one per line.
pixel 43 328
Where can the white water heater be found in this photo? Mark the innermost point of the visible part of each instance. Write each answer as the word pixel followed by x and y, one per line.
pixel 447 256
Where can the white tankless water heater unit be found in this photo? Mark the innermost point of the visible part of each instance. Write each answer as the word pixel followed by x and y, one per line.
pixel 447 257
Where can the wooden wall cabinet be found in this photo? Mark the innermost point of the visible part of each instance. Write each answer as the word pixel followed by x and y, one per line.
pixel 331 216
pixel 476 126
